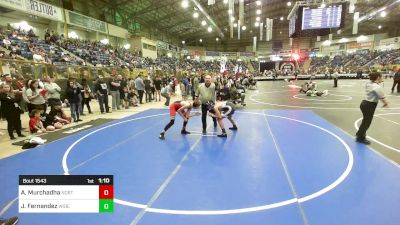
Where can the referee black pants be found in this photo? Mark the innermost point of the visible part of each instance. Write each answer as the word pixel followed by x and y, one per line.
pixel 204 112
pixel 396 82
pixel 335 81
pixel 368 110
pixel 140 92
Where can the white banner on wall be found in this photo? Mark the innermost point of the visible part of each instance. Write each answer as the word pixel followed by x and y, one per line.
pixel 86 22
pixel 35 7
pixel 389 41
pixel 117 31
pixel 162 45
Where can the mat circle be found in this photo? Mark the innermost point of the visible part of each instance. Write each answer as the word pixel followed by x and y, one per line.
pixel 374 139
pixel 318 99
pixel 322 191
pixel 252 98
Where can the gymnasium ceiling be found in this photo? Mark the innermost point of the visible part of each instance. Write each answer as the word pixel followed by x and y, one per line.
pixel 169 17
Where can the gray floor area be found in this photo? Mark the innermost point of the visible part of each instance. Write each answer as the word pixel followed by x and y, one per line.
pixel 340 107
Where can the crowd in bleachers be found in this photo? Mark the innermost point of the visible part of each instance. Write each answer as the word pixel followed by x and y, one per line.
pixel 93 52
pixel 133 59
pixel 26 45
pixel 354 61
pixel 339 61
pixel 17 42
pixel 363 58
pixel 198 65
pixel 255 64
pixel 56 49
pixel 387 57
pixel 319 63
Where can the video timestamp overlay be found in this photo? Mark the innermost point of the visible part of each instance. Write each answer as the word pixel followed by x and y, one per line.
pixel 66 194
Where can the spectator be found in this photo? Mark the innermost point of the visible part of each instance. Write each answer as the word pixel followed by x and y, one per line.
pixel 123 92
pixel 396 81
pixel 132 97
pixel 86 95
pixel 166 93
pixel 80 105
pixel 35 123
pixel 147 87
pixel 73 93
pixel 53 91
pixel 152 88
pixel 359 74
pixel 48 123
pixel 3 55
pixel 31 33
pixel 36 96
pixel 7 79
pixel 195 86
pixel 115 84
pixel 157 86
pixel 16 86
pixel 140 87
pixel 58 115
pixel 38 57
pixel 186 87
pixel 19 90
pixel 7 43
pixel 11 110
pixel 102 95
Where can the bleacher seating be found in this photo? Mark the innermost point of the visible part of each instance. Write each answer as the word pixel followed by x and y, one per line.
pixel 387 57
pixel 99 54
pixel 255 65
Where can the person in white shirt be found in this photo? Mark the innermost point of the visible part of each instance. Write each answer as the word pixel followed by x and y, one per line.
pixel 374 93
pixel 53 91
pixel 37 58
pixel 335 78
pixel 6 43
pixel 36 96
pixel 166 93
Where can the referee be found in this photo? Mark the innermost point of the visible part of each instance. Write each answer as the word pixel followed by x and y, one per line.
pixel 374 93
pixel 206 92
pixel 396 81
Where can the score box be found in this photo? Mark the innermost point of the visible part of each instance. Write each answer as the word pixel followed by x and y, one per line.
pixel 66 194
pixel 106 196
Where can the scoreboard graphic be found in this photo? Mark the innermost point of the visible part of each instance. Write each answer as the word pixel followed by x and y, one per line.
pixel 320 18
pixel 66 194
